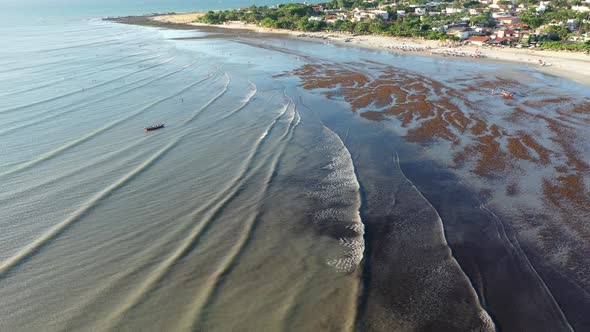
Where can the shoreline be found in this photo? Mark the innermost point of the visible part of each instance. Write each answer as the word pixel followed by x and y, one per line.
pixel 525 134
pixel 569 65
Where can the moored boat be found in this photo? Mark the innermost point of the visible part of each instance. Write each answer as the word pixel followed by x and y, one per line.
pixel 154 127
pixel 507 94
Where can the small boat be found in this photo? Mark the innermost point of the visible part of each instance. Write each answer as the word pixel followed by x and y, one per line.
pixel 154 127
pixel 507 94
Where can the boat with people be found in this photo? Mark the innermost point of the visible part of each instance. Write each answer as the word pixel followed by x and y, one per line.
pixel 154 127
pixel 506 94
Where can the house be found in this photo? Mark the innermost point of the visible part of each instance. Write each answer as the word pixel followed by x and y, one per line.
pixel 342 16
pixel 505 33
pixel 451 10
pixel 315 18
pixel 500 14
pixel 516 26
pixel 420 11
pixel 317 9
pixel 462 33
pixel 581 9
pixel 482 29
pixel 360 16
pixel 331 19
pixel 507 20
pixel 571 23
pixel 379 13
pixel 503 41
pixel 475 11
pixel 478 40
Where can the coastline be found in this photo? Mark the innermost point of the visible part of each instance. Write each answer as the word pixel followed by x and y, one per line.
pixel 493 164
pixel 570 65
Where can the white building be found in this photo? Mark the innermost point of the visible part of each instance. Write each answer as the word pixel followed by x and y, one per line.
pixel 450 10
pixel 420 11
pixel 379 13
pixel 571 23
pixel 500 14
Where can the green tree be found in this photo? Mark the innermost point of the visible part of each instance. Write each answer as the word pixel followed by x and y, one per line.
pixel 561 31
pixel 361 27
pixel 268 23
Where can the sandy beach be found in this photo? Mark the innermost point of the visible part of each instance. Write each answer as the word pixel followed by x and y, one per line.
pixel 570 65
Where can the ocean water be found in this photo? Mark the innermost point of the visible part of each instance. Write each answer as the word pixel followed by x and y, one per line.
pixel 107 227
pixel 87 8
pixel 261 205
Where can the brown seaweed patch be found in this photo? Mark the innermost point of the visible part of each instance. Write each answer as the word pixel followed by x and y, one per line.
pixel 431 129
pixel 492 160
pixel 373 115
pixel 547 101
pixel 568 189
pixel 479 128
pixel 564 139
pixel 518 149
pixel 316 76
pixel 542 152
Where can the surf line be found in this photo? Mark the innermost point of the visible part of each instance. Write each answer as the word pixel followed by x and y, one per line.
pixel 515 245
pixel 213 207
pixel 95 162
pixel 71 93
pixel 244 102
pixel 212 100
pixel 79 75
pixel 191 318
pixel 55 152
pixel 58 229
pixel 444 240
pixel 75 106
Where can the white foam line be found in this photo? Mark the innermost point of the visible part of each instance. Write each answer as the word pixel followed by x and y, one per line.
pixel 103 158
pixel 104 42
pixel 67 60
pixel 516 247
pixel 92 102
pixel 191 317
pixel 57 71
pixel 79 75
pixel 212 207
pixel 210 102
pixel 82 90
pixel 55 152
pixel 244 102
pixel 445 243
pixel 342 264
pixel 52 233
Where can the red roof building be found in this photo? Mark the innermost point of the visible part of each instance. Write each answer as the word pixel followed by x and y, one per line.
pixel 478 40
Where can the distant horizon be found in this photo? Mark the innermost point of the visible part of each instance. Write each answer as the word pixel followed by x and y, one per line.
pixel 93 8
